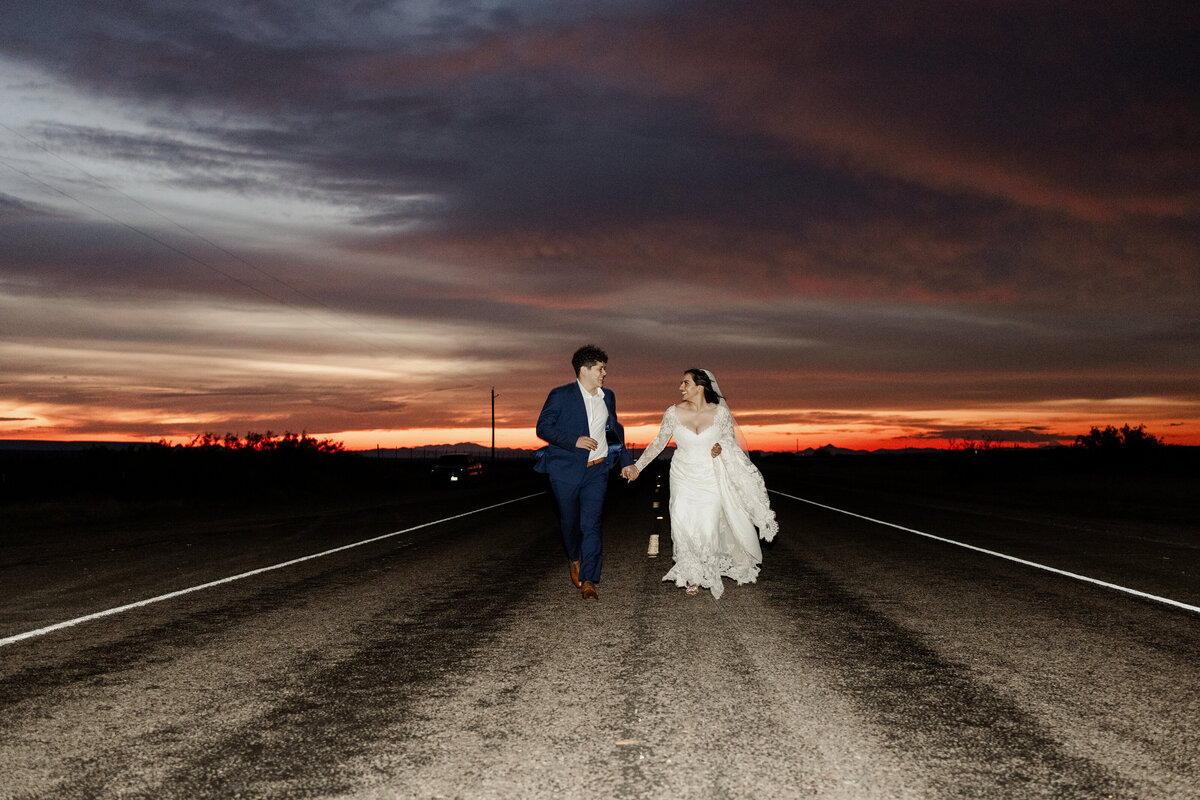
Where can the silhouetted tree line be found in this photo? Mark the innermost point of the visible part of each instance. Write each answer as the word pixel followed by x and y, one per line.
pixel 1118 440
pixel 265 443
pixel 973 446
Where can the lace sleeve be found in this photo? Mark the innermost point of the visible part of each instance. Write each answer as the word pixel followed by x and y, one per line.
pixel 728 439
pixel 665 431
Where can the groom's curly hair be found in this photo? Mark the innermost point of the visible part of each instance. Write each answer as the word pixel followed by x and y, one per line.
pixel 588 356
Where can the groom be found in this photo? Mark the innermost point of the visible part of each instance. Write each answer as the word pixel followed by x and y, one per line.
pixel 579 422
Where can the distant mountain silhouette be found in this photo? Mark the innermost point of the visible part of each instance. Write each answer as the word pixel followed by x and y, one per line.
pixel 826 450
pixel 434 450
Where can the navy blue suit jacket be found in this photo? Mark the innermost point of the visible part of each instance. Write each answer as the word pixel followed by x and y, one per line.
pixel 563 420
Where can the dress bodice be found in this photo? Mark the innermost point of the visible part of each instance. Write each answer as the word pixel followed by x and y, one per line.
pixel 692 445
pixel 689 444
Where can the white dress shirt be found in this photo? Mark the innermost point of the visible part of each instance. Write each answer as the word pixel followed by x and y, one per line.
pixel 597 414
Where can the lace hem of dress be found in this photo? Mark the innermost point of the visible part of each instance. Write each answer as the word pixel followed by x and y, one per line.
pixel 708 574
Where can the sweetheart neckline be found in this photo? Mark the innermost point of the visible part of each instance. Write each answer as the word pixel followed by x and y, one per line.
pixel 686 427
pixel 696 433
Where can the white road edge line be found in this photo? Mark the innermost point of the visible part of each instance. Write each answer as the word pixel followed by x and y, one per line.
pixel 1084 578
pixel 170 595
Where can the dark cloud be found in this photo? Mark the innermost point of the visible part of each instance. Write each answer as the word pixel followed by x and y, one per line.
pixel 17 210
pixel 202 163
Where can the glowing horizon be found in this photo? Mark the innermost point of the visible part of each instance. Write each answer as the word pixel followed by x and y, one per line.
pixel 767 438
pixel 366 227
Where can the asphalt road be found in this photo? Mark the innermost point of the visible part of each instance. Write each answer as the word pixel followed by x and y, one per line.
pixel 456 660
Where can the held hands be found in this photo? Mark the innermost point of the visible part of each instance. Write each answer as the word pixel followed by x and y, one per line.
pixel 716 451
pixel 630 473
pixel 586 443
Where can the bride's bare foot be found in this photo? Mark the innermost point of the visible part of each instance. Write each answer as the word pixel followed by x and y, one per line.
pixel 692 588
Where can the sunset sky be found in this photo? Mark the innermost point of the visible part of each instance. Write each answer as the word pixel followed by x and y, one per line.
pixel 879 225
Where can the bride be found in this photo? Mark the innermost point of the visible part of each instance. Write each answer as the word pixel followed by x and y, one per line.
pixel 718 496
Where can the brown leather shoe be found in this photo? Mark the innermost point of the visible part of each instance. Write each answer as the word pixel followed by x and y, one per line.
pixel 574 566
pixel 589 591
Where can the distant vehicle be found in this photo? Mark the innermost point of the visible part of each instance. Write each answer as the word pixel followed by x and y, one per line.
pixel 456 469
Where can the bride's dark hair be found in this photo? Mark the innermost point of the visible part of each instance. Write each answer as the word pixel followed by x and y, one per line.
pixel 700 378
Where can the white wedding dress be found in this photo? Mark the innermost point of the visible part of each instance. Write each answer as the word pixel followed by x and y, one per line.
pixel 716 504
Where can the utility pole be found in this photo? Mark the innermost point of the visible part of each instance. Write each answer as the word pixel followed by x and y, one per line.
pixel 493 424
